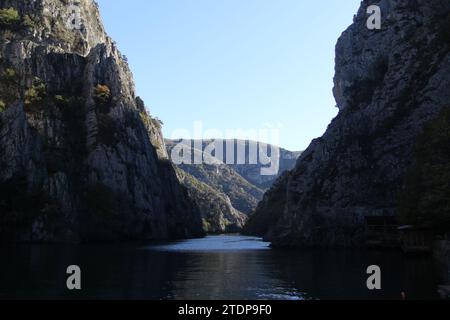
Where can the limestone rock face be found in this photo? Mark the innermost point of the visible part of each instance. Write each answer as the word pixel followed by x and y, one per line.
pixel 389 83
pixel 81 159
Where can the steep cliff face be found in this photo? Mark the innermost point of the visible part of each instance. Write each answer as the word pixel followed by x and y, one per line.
pixel 389 83
pixel 80 157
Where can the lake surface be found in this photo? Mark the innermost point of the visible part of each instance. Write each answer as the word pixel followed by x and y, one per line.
pixel 216 267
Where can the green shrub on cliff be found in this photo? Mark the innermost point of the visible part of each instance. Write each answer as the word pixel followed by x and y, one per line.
pixel 62 101
pixel 150 121
pixel 9 17
pixel 425 199
pixel 28 22
pixel 206 225
pixel 9 78
pixel 2 106
pixel 10 74
pixel 35 95
pixel 146 119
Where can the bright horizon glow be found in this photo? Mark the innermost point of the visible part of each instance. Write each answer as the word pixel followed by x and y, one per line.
pixel 233 64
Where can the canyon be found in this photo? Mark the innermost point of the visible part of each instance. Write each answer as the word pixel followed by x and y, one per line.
pixel 82 158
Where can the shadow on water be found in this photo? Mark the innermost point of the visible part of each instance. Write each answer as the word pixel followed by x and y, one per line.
pixel 220 267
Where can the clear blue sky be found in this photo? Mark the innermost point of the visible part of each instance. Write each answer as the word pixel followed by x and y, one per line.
pixel 233 63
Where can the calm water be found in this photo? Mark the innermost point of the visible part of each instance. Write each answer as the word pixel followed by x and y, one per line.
pixel 218 267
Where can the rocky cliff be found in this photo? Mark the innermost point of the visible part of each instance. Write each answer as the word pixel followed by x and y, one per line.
pixel 389 85
pixel 81 159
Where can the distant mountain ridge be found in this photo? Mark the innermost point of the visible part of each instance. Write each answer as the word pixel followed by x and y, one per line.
pixel 250 172
pixel 226 193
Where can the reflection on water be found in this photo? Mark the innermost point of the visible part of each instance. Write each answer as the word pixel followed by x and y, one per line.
pixel 215 244
pixel 220 267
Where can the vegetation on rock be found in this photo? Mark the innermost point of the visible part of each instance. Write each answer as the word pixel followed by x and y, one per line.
pixel 28 22
pixel 60 100
pixel 35 96
pixel 145 117
pixel 10 74
pixel 149 121
pixel 218 214
pixel 102 94
pixel 8 83
pixel 9 17
pixel 243 195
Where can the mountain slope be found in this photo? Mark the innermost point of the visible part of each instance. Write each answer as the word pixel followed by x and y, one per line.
pixel 252 172
pixel 80 157
pixel 243 195
pixel 218 213
pixel 286 159
pixel 388 85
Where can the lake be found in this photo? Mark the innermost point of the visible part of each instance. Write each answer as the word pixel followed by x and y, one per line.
pixel 216 267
